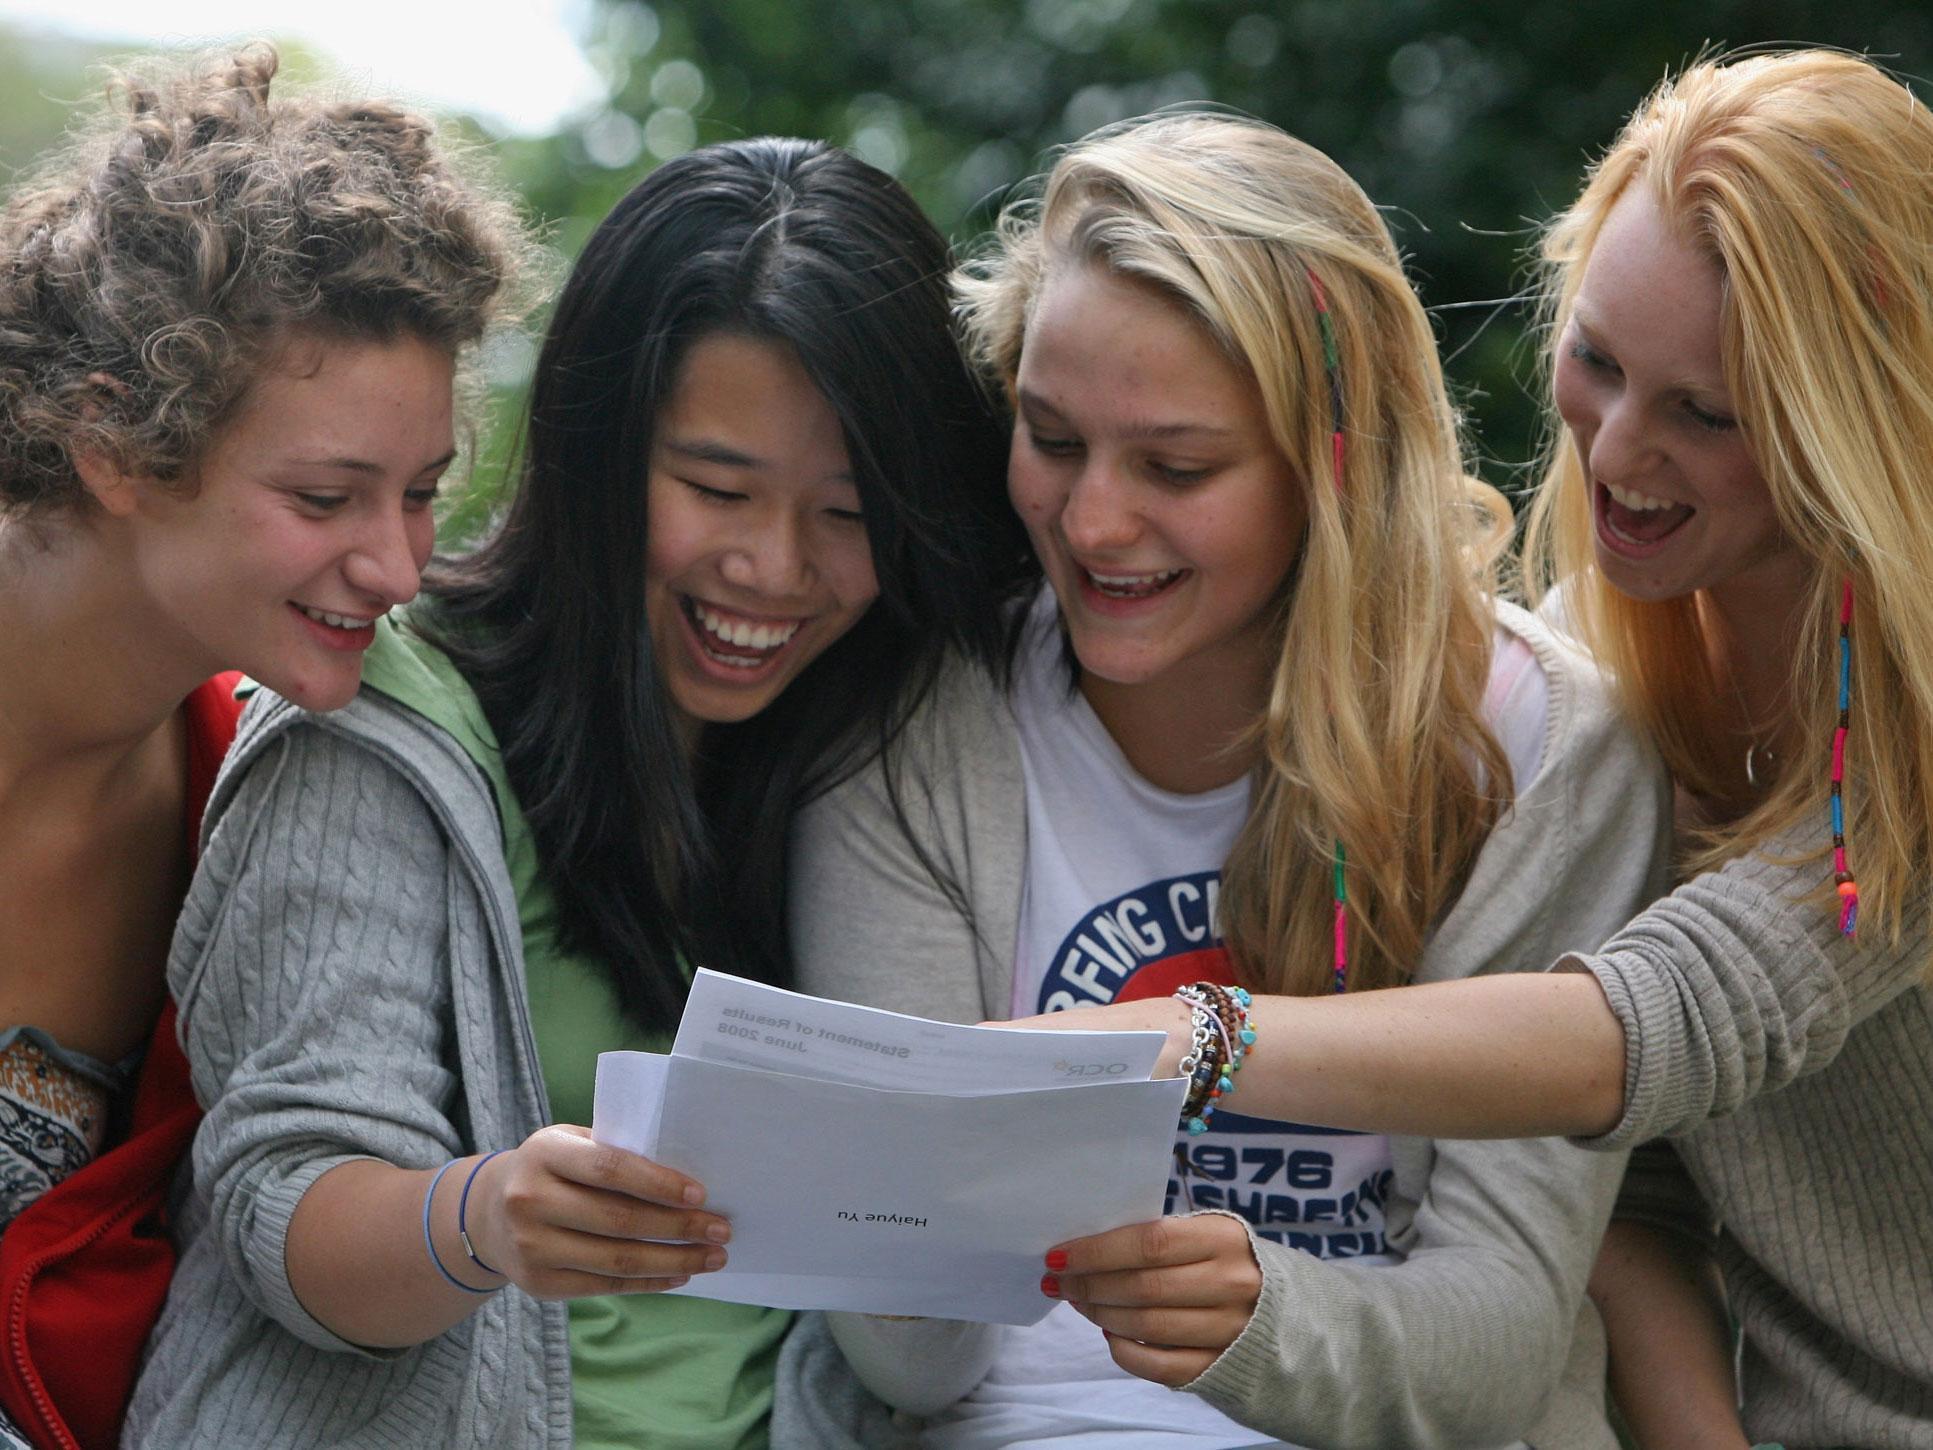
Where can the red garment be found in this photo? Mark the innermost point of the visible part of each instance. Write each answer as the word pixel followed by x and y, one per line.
pixel 85 1267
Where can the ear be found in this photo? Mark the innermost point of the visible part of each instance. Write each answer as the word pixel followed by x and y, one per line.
pixel 105 481
pixel 114 490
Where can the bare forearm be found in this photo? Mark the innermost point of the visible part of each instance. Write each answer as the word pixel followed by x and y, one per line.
pixel 1515 1056
pixel 561 1216
pixel 1664 1315
pixel 357 1260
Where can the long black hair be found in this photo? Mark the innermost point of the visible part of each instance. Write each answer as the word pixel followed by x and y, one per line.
pixel 659 862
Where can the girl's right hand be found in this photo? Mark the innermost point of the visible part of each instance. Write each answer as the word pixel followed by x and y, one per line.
pixel 562 1216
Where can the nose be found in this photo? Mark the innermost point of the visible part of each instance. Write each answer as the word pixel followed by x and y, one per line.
pixel 1099 513
pixel 387 557
pixel 769 556
pixel 1622 448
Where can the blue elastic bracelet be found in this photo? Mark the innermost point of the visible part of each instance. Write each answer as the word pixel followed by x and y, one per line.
pixel 430 1243
pixel 463 1212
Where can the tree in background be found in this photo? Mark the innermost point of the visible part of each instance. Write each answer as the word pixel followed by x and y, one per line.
pixel 1471 120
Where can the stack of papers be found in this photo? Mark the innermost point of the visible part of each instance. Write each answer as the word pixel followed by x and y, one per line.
pixel 890 1164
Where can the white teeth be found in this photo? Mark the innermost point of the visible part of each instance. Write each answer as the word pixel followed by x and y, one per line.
pixel 1134 583
pixel 335 621
pixel 745 636
pixel 1638 502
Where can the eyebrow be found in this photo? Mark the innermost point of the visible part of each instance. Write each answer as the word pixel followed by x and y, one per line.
pixel 1135 428
pixel 710 450
pixel 363 465
pixel 1718 392
pixel 707 450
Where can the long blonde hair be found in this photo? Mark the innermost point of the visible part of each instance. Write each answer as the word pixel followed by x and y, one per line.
pixel 1373 735
pixel 1807 177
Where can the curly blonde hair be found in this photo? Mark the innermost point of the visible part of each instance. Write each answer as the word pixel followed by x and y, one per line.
pixel 1373 735
pixel 1804 176
pixel 156 262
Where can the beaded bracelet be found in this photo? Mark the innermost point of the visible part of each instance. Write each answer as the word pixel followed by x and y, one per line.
pixel 1222 1034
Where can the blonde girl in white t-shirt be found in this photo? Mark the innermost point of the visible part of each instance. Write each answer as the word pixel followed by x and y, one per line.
pixel 1266 668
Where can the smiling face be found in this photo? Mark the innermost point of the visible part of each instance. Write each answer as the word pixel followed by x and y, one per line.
pixel 307 518
pixel 758 558
pixel 1165 517
pixel 1678 502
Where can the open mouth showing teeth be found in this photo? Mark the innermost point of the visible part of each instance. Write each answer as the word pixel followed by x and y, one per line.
pixel 1637 518
pixel 1133 586
pixel 736 642
pixel 335 621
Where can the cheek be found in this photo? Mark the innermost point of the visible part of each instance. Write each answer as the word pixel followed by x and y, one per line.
pixel 422 537
pixel 849 564
pixel 676 538
pixel 1035 493
pixel 1568 392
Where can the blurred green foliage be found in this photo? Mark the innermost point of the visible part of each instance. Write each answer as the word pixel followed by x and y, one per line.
pixel 1470 121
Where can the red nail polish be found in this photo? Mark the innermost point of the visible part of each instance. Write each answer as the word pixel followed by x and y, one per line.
pixel 1050 1286
pixel 1057 1258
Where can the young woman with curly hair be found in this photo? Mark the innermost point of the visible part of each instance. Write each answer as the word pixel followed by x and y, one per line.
pixel 228 325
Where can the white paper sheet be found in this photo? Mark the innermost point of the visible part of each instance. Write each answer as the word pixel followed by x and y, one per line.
pixel 728 1019
pixel 882 1194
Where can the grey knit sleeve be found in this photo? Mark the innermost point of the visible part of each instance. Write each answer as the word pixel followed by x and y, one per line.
pixel 314 1000
pixel 1736 984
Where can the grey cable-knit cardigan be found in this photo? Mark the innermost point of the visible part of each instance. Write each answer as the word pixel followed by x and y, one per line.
pixel 1483 1336
pixel 350 974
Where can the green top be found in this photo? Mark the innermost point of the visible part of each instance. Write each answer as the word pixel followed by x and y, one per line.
pixel 662 1370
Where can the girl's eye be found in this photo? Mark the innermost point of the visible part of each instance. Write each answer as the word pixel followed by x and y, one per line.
pixel 1591 357
pixel 322 503
pixel 1053 447
pixel 422 498
pixel 847 516
pixel 1711 422
pixel 1171 473
pixel 712 495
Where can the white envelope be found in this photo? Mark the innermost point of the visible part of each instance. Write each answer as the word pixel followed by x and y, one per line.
pixel 846 1196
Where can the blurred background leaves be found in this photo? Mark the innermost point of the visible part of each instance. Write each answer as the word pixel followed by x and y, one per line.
pixel 1469 121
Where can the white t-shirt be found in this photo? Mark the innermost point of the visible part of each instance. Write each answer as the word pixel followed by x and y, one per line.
pixel 1119 902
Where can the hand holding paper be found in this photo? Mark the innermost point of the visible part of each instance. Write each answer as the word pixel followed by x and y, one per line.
pixel 884 1163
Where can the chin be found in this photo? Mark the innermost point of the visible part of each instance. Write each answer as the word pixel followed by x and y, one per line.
pixel 317 696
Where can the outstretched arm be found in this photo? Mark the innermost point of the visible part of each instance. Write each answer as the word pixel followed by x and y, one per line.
pixel 1733 985
pixel 1513 1056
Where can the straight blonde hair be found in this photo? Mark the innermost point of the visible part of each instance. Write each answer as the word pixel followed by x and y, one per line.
pixel 1807 177
pixel 1373 736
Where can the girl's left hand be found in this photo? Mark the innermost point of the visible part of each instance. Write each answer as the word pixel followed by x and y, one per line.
pixel 1171 1295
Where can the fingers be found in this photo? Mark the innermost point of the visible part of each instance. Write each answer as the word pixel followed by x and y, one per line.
pixel 1163 1364
pixel 1212 1328
pixel 564 1216
pixel 571 1152
pixel 1158 1243
pixel 1172 1294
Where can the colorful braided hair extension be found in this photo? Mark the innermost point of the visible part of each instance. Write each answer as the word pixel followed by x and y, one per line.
pixel 1841 874
pixel 1848 888
pixel 1332 365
